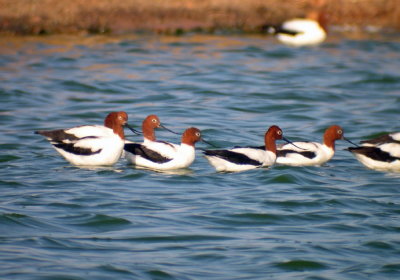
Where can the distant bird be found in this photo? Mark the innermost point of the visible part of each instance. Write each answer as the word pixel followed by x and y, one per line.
pixel 167 156
pixel 91 145
pixel 311 153
pixel 301 31
pixel 246 158
pixel 381 153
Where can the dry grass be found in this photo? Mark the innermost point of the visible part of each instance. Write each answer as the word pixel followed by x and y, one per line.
pixel 175 16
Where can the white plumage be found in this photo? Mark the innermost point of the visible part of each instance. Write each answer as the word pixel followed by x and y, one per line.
pixel 381 153
pixel 311 153
pixel 91 144
pixel 164 155
pixel 260 157
pixel 246 158
pixel 307 32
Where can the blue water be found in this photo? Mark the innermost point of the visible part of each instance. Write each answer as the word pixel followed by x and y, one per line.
pixel 57 221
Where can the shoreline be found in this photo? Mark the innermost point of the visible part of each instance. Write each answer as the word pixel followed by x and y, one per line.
pixel 48 17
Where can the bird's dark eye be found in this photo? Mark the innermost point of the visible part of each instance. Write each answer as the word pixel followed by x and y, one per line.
pixel 279 132
pixel 198 134
pixel 154 120
pixel 340 131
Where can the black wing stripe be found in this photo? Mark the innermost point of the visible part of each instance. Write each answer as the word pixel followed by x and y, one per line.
pixel 281 30
pixel 374 153
pixel 233 157
pixel 381 140
pixel 143 151
pixel 70 148
pixel 307 154
pixel 251 147
pixel 277 29
pixel 57 135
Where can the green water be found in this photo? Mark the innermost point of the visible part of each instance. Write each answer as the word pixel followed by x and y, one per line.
pixel 57 221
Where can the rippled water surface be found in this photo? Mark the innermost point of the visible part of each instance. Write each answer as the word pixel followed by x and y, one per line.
pixel 57 221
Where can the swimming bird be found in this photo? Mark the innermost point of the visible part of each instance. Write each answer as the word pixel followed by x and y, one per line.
pixel 381 153
pixel 311 153
pixel 91 144
pixel 149 125
pixel 171 156
pixel 383 139
pixel 246 158
pixel 301 31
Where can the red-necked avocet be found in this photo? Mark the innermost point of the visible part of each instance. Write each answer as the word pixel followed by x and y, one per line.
pixel 381 153
pixel 298 32
pixel 91 145
pixel 246 158
pixel 311 153
pixel 167 156
pixel 149 125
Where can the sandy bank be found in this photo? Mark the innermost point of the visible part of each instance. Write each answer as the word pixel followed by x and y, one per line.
pixel 176 16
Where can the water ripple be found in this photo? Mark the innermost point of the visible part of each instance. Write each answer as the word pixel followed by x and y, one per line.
pixel 336 221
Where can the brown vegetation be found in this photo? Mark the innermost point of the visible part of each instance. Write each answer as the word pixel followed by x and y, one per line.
pixel 175 16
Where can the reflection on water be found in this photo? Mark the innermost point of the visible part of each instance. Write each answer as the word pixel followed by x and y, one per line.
pixel 339 220
pixel 182 171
